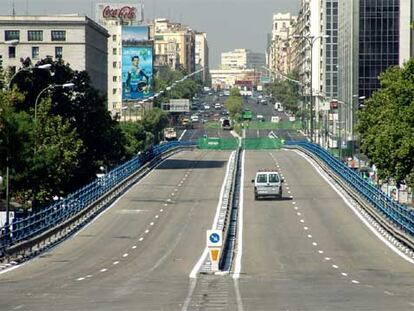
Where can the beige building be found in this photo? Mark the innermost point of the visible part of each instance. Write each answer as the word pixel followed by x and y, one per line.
pixel 78 40
pixel 174 45
pixel 280 53
pixel 242 59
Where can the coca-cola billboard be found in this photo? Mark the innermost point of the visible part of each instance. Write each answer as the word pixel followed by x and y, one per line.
pixel 118 11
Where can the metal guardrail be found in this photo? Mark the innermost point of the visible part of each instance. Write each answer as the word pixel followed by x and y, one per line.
pixel 38 222
pixel 396 214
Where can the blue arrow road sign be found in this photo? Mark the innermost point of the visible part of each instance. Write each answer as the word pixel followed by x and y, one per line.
pixel 214 238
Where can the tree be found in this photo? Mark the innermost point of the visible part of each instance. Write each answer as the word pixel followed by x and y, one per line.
pixel 386 125
pixel 57 151
pixel 286 91
pixel 234 106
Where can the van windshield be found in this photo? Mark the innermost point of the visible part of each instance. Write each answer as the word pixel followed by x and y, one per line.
pixel 262 178
pixel 273 178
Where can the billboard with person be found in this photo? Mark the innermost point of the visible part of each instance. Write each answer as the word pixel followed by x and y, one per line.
pixel 137 72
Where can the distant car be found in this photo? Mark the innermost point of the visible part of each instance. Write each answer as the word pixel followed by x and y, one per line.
pixel 217 106
pixel 260 118
pixel 267 183
pixel 195 118
pixel 206 107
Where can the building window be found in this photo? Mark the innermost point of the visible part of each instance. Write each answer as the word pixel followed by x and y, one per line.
pixel 12 52
pixel 58 52
pixel 113 91
pixel 114 78
pixel 35 35
pixel 58 35
pixel 113 64
pixel 11 35
pixel 35 52
pixel 114 38
pixel 114 51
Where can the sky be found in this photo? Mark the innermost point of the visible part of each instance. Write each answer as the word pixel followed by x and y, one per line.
pixel 229 24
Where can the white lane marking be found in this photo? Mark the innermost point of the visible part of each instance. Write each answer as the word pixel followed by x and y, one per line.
pixel 296 208
pixel 115 263
pixel 175 190
pixel 299 214
pixel 182 135
pixel 103 270
pixel 125 255
pixel 356 212
pixel 320 251
pixel 168 200
pixel 335 266
pixel 344 274
pixel 141 239
pixel 294 203
pixel 302 221
pixel 193 273
pixel 89 276
pixel 156 216
pixel 309 236
pixel 289 192
pixel 287 188
pixel 80 279
pixel 134 247
pixel 327 258
pixel 172 194
pixel 305 228
pixel 151 224
pixel 315 244
pixel 355 281
pixel 238 295
pixel 291 196
pixel 193 283
pixel 237 268
pixel 161 210
pixel 146 231
pixel 18 307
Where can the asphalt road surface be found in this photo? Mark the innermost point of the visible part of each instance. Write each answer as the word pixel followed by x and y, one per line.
pixel 311 252
pixel 137 255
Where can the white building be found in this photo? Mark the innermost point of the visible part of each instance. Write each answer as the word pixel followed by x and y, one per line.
pixel 242 59
pixel 77 40
pixel 113 16
pixel 227 78
pixel 202 54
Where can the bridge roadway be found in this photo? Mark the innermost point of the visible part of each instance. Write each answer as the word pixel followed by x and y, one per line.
pixel 100 268
pixel 309 252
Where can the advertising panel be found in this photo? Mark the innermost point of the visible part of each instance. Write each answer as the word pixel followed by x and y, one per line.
pixel 132 35
pixel 179 105
pixel 137 70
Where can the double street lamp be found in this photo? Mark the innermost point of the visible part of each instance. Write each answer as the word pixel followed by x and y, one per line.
pixel 311 40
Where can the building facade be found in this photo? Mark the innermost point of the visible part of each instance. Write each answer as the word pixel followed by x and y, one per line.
pixel 113 17
pixel 228 78
pixel 279 49
pixel 373 35
pixel 77 40
pixel 202 55
pixel 242 59
pixel 174 45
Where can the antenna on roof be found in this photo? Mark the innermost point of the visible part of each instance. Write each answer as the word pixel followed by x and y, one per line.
pixel 27 7
pixel 14 11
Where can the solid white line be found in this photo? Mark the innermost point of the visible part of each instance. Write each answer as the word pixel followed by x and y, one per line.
pixel 193 283
pixel 238 296
pixel 237 266
pixel 197 266
pixel 356 212
pixel 141 239
pixel 182 134
pixel 115 262
pixel 80 279
pixel 103 270
pixel 125 255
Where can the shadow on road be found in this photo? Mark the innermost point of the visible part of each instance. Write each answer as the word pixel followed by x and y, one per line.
pixel 184 164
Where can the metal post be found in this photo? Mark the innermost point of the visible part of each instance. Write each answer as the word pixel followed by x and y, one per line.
pixel 311 91
pixel 7 196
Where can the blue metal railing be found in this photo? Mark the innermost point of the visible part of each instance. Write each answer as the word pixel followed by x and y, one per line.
pixel 400 215
pixel 40 221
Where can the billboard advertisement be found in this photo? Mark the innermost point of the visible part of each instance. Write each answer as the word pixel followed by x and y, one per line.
pixel 132 35
pixel 137 62
pixel 125 12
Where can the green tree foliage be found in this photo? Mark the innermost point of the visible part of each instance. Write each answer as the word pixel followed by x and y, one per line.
pixel 234 104
pixel 386 125
pixel 285 91
pixel 57 150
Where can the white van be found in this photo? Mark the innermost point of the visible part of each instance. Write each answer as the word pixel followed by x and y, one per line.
pixel 267 183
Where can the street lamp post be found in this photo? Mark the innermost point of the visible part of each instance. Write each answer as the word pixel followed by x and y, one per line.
pixel 311 40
